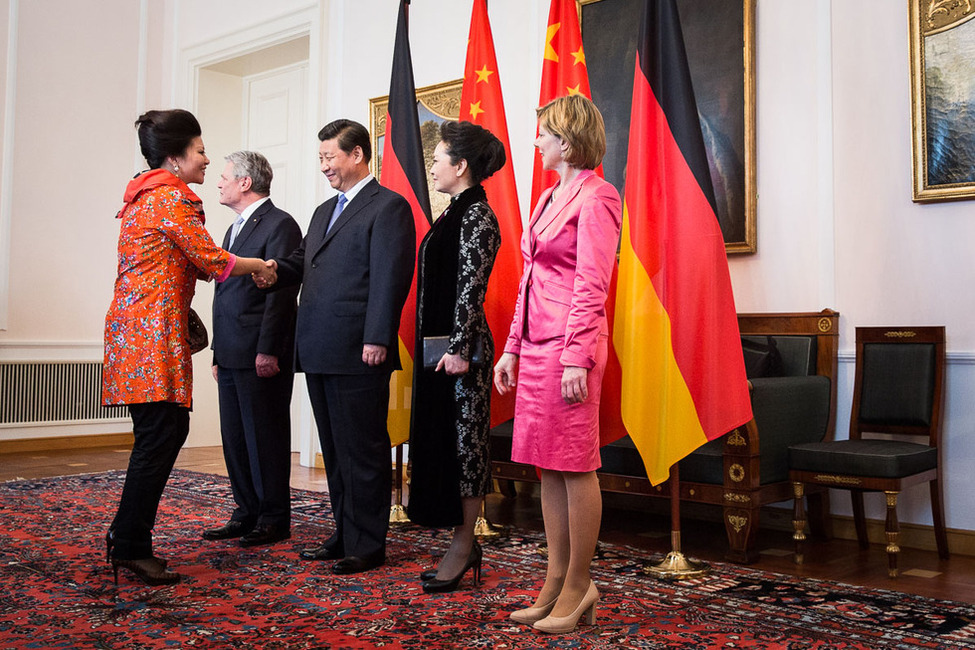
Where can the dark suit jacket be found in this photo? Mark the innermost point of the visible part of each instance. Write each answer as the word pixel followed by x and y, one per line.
pixel 246 320
pixel 354 281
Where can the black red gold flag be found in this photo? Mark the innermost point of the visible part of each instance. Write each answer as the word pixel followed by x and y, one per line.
pixel 403 171
pixel 681 378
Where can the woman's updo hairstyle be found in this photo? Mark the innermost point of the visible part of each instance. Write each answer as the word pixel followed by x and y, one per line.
pixel 166 133
pixel 483 152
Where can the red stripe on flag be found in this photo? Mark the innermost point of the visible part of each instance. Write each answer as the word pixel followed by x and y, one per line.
pixel 403 172
pixel 394 177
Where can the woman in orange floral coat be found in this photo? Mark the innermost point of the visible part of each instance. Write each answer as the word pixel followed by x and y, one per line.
pixel 163 249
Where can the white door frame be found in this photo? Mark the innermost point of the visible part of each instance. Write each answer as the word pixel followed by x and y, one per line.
pixel 192 59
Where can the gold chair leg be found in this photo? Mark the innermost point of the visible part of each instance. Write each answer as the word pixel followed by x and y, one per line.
pixel 893 533
pixel 798 521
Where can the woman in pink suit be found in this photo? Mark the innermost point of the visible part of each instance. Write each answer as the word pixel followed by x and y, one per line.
pixel 557 349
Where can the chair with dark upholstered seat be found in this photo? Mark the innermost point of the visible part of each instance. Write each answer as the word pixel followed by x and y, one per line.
pixel 898 391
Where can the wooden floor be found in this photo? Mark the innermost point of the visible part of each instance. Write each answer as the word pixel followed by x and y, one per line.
pixel 636 522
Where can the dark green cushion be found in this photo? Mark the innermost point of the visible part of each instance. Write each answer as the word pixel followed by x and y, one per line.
pixel 872 458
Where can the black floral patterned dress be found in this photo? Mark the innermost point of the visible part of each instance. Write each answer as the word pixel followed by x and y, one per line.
pixel 451 414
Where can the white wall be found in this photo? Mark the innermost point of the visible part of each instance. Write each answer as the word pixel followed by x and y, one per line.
pixel 836 226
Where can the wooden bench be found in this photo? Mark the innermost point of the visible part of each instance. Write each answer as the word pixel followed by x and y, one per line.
pixel 748 467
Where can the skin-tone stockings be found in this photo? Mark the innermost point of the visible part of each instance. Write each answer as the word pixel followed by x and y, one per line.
pixel 572 511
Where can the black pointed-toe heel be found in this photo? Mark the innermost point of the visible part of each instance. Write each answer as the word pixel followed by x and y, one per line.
pixel 150 570
pixel 428 575
pixel 110 544
pixel 473 562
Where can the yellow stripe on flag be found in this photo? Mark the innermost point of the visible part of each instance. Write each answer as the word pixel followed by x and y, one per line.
pixel 400 397
pixel 657 408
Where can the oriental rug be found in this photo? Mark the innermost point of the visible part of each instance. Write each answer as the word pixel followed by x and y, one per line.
pixel 56 590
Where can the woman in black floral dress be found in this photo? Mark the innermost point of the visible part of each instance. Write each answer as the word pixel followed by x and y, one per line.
pixel 452 401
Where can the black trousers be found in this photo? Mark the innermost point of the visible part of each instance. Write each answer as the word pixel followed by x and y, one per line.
pixel 255 427
pixel 160 429
pixel 351 412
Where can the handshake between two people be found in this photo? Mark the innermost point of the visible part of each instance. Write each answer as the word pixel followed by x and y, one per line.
pixel 266 276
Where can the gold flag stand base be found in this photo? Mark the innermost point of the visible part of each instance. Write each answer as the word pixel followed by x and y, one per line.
pixel 484 528
pixel 397 514
pixel 677 567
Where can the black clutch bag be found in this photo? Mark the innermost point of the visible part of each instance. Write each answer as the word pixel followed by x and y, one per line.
pixel 434 347
pixel 196 333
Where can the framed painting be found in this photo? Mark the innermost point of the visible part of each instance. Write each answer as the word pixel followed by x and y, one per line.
pixel 435 104
pixel 719 36
pixel 943 99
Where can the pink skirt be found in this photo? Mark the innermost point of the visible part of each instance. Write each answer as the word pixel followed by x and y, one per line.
pixel 548 433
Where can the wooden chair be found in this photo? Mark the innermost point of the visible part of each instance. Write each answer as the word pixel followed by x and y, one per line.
pixel 898 391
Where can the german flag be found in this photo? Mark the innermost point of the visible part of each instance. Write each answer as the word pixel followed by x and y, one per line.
pixel 403 172
pixel 564 72
pixel 481 103
pixel 675 331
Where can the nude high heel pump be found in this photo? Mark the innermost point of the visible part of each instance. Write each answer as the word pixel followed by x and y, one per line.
pixel 531 614
pixel 586 608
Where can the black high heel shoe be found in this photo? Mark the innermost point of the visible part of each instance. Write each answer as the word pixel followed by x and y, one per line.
pixel 473 562
pixel 428 575
pixel 150 570
pixel 110 544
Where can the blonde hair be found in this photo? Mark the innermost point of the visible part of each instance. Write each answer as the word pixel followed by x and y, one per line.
pixel 575 119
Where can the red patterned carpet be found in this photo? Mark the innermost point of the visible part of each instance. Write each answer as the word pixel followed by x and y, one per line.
pixel 57 590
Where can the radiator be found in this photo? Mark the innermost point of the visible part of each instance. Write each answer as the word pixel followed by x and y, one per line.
pixel 61 392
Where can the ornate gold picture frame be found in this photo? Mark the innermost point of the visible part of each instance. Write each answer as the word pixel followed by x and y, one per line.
pixel 435 104
pixel 719 36
pixel 943 99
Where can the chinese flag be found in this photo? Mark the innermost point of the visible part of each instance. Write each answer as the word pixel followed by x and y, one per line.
pixel 481 103
pixel 564 72
pixel 675 331
pixel 403 172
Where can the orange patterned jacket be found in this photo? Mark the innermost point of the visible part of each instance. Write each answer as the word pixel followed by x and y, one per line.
pixel 163 249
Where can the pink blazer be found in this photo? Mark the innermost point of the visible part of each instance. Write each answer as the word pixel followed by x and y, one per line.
pixel 569 250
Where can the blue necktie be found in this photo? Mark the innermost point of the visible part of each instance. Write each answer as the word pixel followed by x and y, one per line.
pixel 235 231
pixel 337 211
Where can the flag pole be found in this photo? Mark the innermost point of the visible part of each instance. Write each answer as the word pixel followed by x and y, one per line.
pixel 397 513
pixel 484 528
pixel 676 566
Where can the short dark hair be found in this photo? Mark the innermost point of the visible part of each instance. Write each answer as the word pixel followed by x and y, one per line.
pixel 483 151
pixel 166 133
pixel 252 165
pixel 350 135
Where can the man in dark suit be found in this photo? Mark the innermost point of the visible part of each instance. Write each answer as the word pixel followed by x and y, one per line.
pixel 355 265
pixel 253 353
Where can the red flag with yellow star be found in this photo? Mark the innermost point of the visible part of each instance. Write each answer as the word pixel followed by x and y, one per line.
pixel 481 103
pixel 564 72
